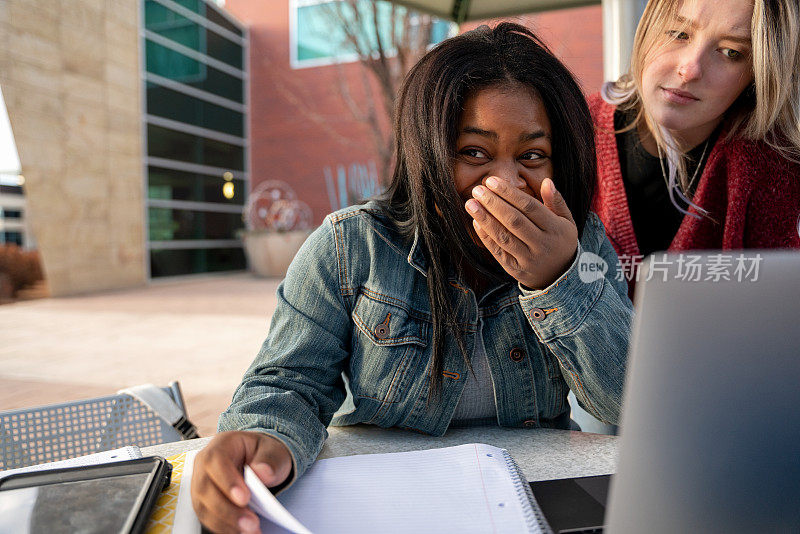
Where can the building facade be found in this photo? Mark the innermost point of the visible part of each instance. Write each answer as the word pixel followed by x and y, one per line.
pixel 142 125
pixel 69 74
pixel 195 136
pixel 130 119
pixel 302 130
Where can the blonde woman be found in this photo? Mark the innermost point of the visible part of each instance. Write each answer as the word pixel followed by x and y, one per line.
pixel 698 146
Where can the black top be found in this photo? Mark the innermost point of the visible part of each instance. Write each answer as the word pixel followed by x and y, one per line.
pixel 655 218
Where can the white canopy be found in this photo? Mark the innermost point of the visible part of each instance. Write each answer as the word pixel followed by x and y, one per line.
pixel 464 10
pixel 619 20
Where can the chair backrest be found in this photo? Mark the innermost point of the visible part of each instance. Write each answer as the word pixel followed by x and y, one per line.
pixel 60 431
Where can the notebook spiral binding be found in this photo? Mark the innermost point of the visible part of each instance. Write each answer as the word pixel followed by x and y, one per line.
pixel 534 517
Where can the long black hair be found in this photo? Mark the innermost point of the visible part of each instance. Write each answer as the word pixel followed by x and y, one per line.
pixel 422 197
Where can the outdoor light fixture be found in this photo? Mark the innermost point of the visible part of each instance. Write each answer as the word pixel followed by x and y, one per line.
pixel 227 190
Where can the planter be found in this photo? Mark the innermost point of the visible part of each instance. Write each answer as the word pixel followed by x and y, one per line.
pixel 270 253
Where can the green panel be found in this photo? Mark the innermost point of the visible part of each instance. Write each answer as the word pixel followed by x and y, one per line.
pixel 167 224
pixel 176 66
pixel 179 107
pixel 166 262
pixel 178 28
pixel 181 146
pixel 169 184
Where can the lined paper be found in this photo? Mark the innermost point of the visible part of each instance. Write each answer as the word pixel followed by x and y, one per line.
pixel 465 489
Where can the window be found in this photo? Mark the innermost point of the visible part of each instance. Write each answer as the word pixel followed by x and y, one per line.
pixel 179 224
pixel 175 66
pixel 11 214
pixel 11 237
pixel 176 262
pixel 11 189
pixel 194 83
pixel 179 107
pixel 170 184
pixel 316 39
pixel 176 27
pixel 210 12
pixel 181 146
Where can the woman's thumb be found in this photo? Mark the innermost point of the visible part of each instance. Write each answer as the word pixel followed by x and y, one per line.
pixel 271 461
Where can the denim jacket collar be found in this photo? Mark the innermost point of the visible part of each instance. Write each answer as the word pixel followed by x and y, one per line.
pixel 416 258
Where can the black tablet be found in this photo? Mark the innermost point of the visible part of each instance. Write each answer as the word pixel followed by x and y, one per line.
pixel 573 505
pixel 107 498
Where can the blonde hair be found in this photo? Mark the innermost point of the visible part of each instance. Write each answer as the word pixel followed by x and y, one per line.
pixel 768 111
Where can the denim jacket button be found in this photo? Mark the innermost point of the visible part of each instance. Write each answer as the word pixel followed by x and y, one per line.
pixel 382 331
pixel 530 423
pixel 517 354
pixel 538 314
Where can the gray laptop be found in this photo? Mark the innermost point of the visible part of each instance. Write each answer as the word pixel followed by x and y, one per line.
pixel 710 430
pixel 710 424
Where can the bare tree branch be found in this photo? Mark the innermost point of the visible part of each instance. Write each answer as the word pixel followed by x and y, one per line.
pixel 384 60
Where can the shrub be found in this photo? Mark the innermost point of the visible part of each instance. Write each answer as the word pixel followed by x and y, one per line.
pixel 18 269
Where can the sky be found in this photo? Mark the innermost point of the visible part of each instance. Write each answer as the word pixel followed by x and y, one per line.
pixel 9 159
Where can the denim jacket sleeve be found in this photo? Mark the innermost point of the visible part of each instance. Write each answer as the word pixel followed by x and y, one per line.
pixel 584 319
pixel 294 385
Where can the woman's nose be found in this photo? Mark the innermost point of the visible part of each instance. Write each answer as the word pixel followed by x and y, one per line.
pixel 690 64
pixel 507 172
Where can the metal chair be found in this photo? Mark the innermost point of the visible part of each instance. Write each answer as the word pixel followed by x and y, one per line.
pixel 61 431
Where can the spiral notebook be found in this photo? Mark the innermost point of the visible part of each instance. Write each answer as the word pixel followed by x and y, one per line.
pixel 468 488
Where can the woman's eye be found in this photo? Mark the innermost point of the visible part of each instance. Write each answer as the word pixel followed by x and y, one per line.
pixel 678 35
pixel 731 53
pixel 532 156
pixel 474 153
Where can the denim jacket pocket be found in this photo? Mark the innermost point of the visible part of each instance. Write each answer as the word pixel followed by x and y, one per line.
pixel 387 358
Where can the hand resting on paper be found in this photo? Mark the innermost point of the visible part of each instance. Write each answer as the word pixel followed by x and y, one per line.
pixel 219 492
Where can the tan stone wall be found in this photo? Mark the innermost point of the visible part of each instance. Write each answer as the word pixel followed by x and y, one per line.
pixel 69 70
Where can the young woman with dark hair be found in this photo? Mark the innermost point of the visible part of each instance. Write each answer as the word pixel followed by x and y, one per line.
pixel 457 297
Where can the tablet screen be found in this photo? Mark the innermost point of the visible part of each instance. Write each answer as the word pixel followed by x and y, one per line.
pixel 100 505
pixel 573 504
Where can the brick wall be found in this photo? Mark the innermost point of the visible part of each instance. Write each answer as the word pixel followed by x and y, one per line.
pixel 299 124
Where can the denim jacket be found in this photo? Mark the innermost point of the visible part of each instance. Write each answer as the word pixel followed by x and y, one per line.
pixel 353 320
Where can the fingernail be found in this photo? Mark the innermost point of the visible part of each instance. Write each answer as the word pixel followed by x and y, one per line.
pixel 248 524
pixel 479 191
pixel 472 206
pixel 492 182
pixel 239 496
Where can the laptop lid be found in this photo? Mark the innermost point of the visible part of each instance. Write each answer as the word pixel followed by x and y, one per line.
pixel 710 427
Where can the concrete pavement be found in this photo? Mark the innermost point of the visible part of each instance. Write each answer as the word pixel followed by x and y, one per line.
pixel 203 332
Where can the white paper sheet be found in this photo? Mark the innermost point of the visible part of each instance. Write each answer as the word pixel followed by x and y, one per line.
pixel 186 521
pixel 264 503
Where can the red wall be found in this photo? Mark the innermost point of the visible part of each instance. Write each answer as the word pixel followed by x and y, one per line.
pixel 287 144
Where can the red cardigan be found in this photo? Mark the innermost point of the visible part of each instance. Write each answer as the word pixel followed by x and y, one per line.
pixel 750 191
